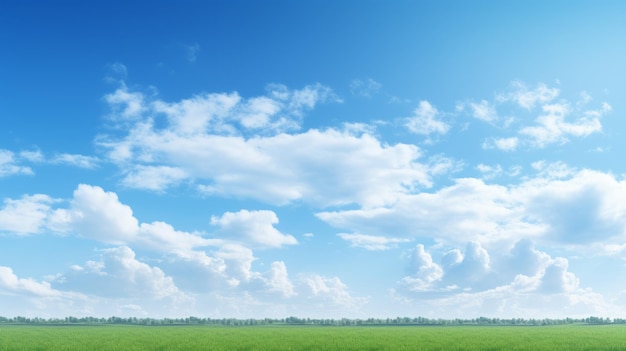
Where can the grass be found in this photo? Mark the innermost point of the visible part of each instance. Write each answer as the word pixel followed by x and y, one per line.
pixel 170 338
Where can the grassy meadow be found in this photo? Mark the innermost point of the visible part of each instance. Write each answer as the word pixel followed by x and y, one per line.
pixel 170 338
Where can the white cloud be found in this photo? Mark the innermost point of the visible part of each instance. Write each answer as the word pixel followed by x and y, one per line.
pixel 515 300
pixel 528 98
pixel 257 113
pixel 484 111
pixel 557 121
pixel 238 263
pixel 424 271
pixel 371 242
pixel 504 144
pixel 200 142
pixel 521 278
pixel 425 120
pixel 553 170
pixel 96 214
pixel 9 165
pixel 126 104
pixel 12 284
pixel 489 172
pixel 231 114
pixel 120 274
pixel 552 127
pixel 304 99
pixel 32 156
pixel 81 161
pixel 163 237
pixel 329 290
pixel 471 268
pixel 567 207
pixel 156 178
pixel 26 215
pixel 467 210
pixel 9 161
pixel 321 167
pixel 196 115
pixel 278 280
pixel 578 209
pixel 557 279
pixel 99 215
pixel 252 227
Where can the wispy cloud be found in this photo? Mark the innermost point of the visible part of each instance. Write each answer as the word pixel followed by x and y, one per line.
pixel 82 161
pixel 371 242
pixel 9 165
pixel 527 97
pixel 552 126
pixel 365 88
pixel 192 52
pixel 556 120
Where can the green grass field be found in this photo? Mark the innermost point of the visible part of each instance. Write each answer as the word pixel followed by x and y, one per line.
pixel 128 338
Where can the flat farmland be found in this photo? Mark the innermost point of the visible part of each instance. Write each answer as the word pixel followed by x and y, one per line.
pixel 170 338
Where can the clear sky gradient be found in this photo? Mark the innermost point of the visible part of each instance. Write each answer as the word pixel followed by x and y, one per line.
pixel 317 159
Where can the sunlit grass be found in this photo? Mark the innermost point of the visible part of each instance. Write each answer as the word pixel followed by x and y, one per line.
pixel 170 338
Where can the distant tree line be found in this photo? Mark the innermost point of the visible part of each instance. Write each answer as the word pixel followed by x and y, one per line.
pixel 308 321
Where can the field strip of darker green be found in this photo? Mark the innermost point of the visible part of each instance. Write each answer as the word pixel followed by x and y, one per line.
pixel 290 337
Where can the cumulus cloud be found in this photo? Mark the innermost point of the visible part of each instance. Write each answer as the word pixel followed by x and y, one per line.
pixel 424 272
pixel 254 227
pixel 578 209
pixel 513 300
pixel 556 278
pixel 225 260
pixel 467 210
pixel 205 139
pixel 12 284
pixel 97 214
pixel 163 237
pixel 26 215
pixel 521 278
pixel 278 280
pixel 118 273
pixel 425 120
pixel 467 270
pixel 558 205
pixel 320 167
pixel 329 290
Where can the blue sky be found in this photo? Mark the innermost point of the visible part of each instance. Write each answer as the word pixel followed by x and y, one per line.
pixel 313 158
